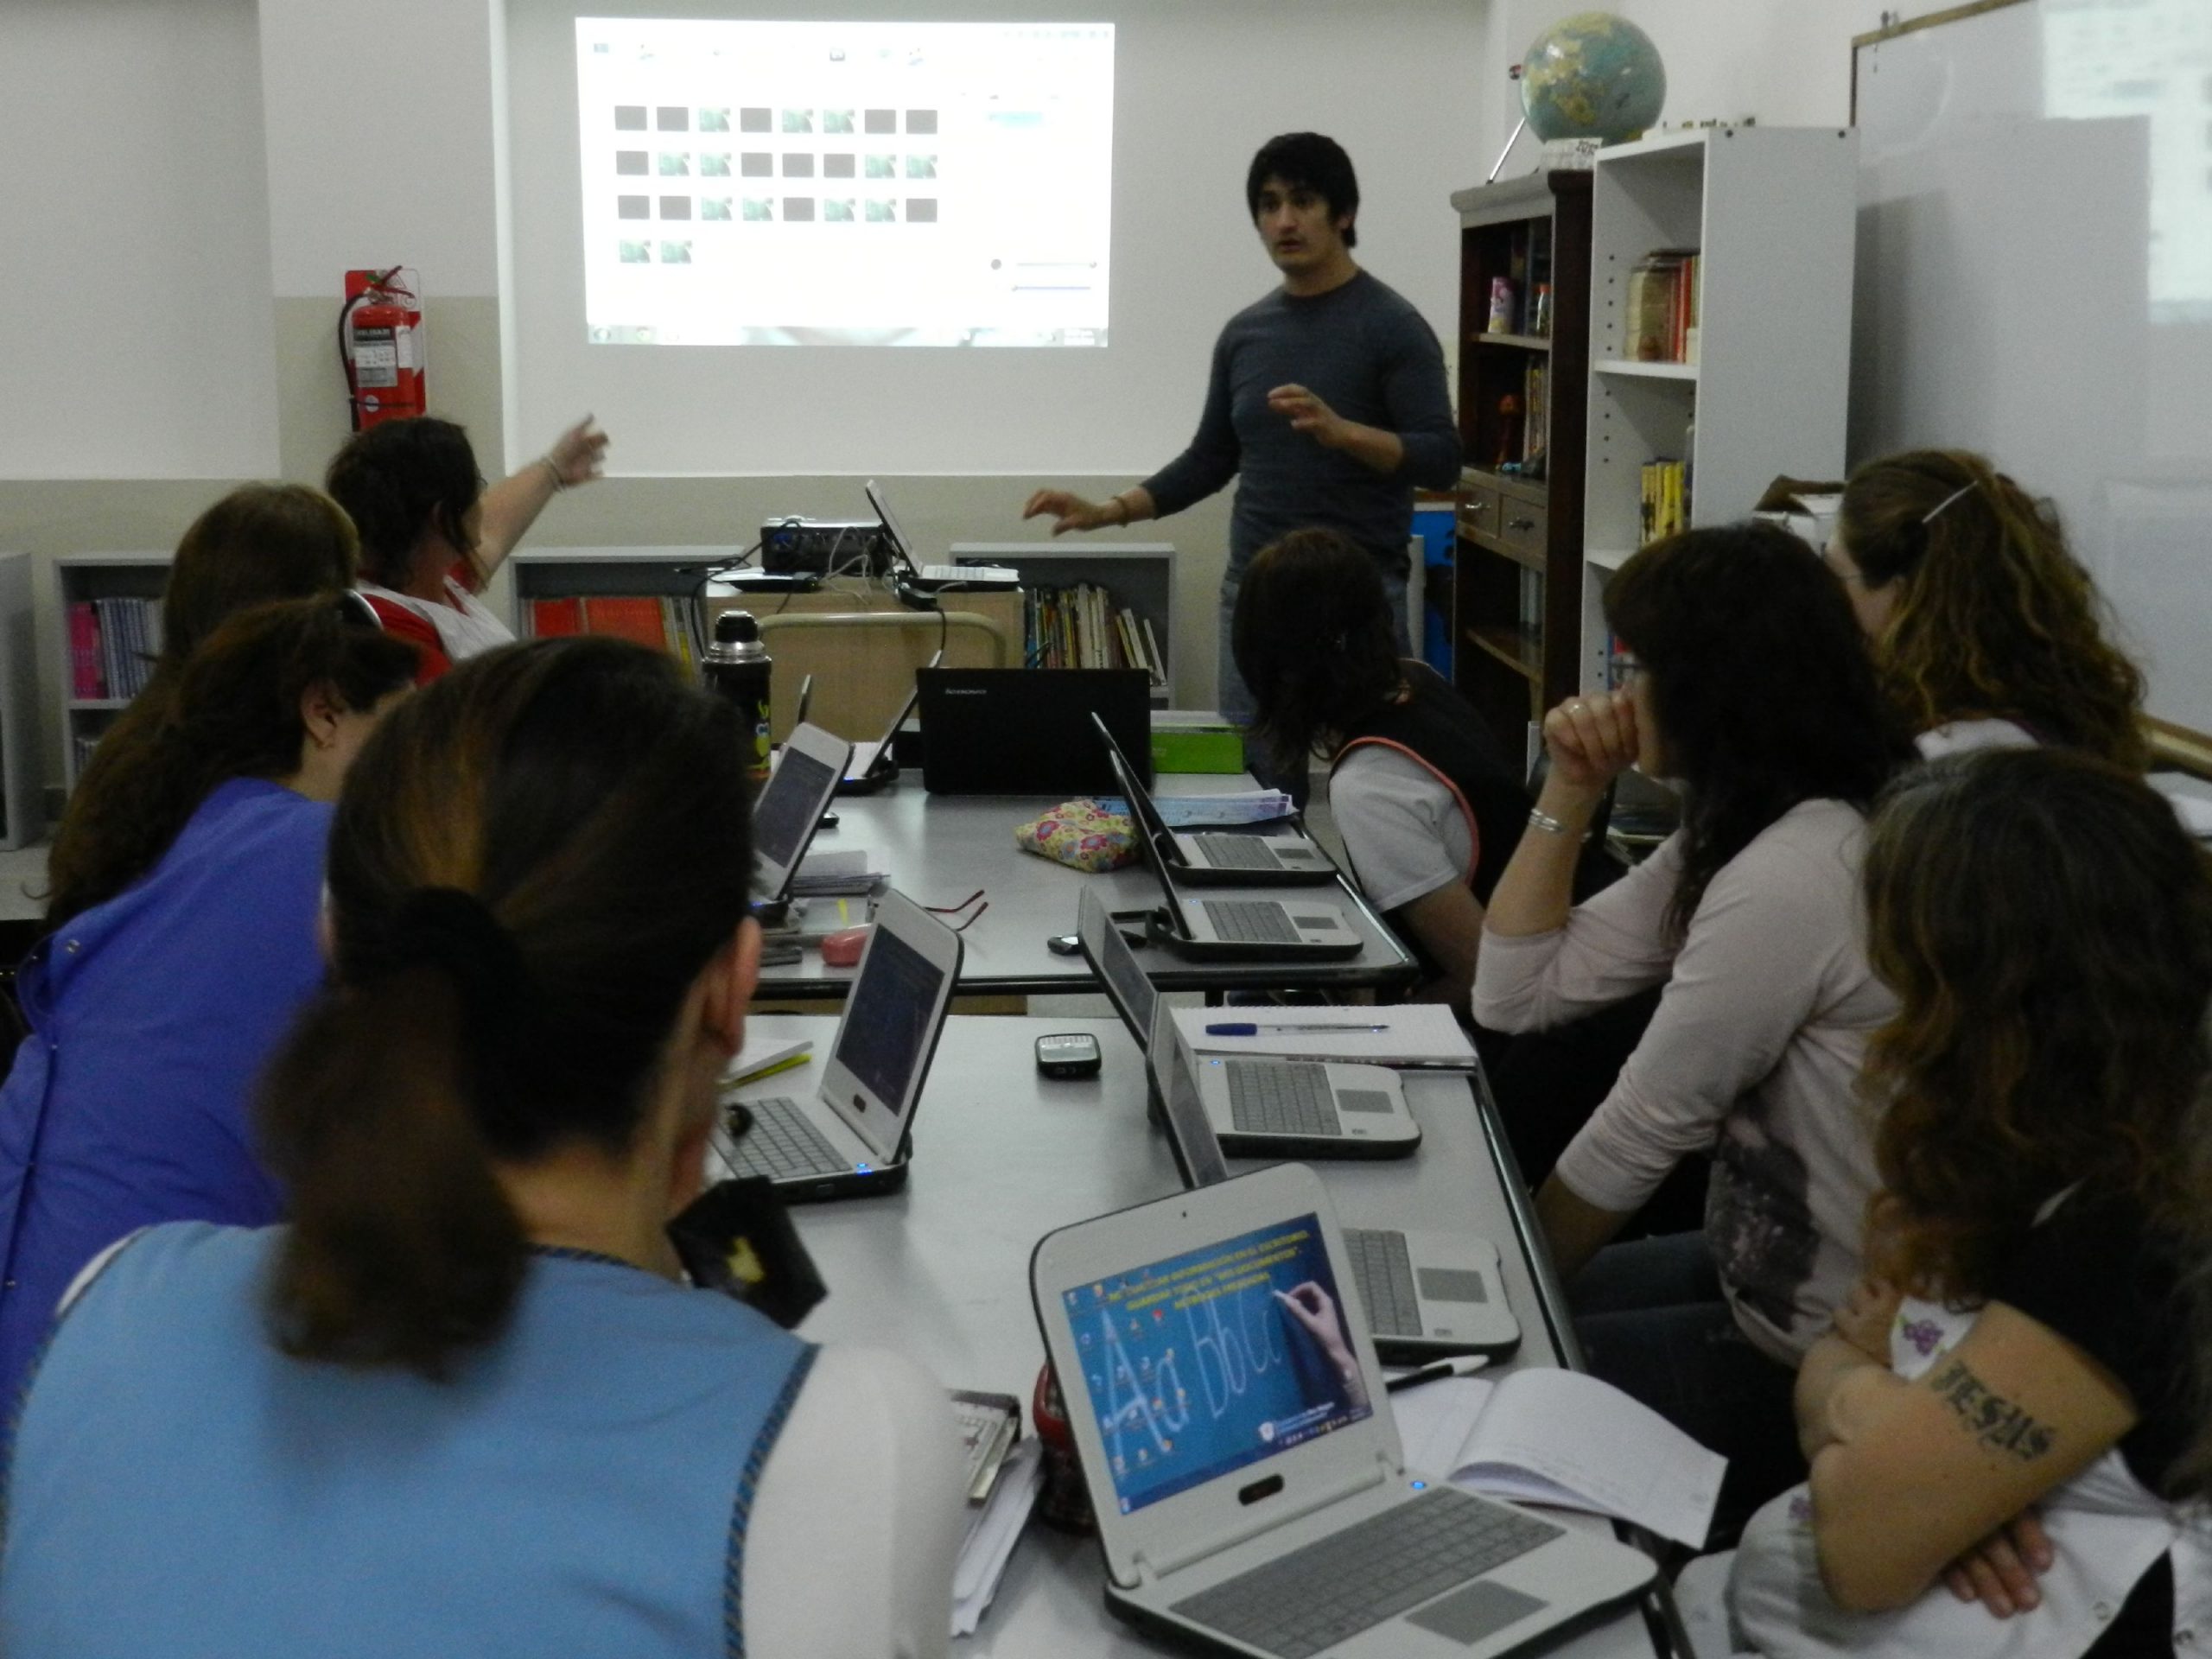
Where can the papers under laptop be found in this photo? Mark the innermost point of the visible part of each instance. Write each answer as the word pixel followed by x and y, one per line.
pixel 1262 1107
pixel 853 1137
pixel 928 578
pixel 1243 1458
pixel 1245 928
pixel 1221 858
pixel 788 808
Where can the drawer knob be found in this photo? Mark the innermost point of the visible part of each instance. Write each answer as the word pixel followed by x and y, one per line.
pixel 1520 523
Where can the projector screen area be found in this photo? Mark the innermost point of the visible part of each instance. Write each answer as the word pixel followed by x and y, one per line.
pixel 818 183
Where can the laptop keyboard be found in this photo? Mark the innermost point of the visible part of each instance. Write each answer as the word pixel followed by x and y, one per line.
pixel 1309 1600
pixel 1236 852
pixel 781 1143
pixel 1385 1268
pixel 1281 1097
pixel 1250 921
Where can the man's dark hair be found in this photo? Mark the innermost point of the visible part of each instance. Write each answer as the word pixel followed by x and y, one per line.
pixel 1306 161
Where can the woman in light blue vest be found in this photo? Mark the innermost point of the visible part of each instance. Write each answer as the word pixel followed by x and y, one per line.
pixel 465 1403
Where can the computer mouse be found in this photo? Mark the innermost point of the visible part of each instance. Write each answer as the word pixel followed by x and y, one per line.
pixel 842 948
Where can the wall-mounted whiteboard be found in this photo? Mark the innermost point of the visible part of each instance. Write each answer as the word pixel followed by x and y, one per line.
pixel 2034 281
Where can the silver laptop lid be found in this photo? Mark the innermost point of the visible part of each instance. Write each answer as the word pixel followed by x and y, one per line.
pixel 1129 987
pixel 889 1031
pixel 1190 1131
pixel 1150 824
pixel 789 806
pixel 901 548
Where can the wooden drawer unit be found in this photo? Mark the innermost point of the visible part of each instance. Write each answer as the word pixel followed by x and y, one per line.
pixel 1521 529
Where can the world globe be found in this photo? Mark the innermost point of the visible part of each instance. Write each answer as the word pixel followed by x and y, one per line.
pixel 1592 75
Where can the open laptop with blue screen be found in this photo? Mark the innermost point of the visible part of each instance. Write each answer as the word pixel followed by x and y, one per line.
pixel 788 808
pixel 855 1135
pixel 1246 1472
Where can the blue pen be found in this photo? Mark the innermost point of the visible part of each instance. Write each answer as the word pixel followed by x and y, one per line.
pixel 1246 1028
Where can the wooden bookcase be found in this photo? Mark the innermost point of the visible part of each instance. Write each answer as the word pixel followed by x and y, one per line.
pixel 1516 602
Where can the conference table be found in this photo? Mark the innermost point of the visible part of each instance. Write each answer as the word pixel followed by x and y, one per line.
pixel 939 1271
pixel 939 850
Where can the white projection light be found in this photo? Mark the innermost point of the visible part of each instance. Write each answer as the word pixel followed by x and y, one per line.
pixel 845 184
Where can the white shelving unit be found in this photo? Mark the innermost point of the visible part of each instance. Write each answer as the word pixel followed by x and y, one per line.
pixel 1772 212
pixel 22 798
pixel 81 576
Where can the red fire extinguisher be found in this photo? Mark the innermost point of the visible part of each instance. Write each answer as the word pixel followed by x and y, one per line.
pixel 381 347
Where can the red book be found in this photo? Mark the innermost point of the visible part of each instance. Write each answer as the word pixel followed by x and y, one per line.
pixel 551 617
pixel 85 680
pixel 628 618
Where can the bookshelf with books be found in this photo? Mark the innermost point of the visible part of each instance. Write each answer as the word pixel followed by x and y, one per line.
pixel 1720 336
pixel 1525 279
pixel 1110 606
pixel 110 630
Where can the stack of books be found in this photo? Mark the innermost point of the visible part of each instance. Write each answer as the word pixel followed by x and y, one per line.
pixel 1085 626
pixel 1665 509
pixel 1663 295
pixel 666 623
pixel 113 644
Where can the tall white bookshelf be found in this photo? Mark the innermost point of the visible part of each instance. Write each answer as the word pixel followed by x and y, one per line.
pixel 23 794
pixel 1772 213
pixel 86 577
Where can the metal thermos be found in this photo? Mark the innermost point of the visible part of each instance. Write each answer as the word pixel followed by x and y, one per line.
pixel 738 667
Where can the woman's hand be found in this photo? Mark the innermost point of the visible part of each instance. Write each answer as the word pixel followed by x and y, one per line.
pixel 1592 740
pixel 577 454
pixel 2000 1571
pixel 1316 1310
pixel 1864 1316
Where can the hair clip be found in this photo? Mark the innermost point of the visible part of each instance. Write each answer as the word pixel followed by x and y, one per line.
pixel 1933 512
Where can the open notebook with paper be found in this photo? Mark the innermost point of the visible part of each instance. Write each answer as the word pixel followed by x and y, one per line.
pixel 1422 1035
pixel 1548 1436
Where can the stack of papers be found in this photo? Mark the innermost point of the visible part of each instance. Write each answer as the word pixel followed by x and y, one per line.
pixel 1419 1035
pixel 835 873
pixel 994 1526
pixel 1548 1436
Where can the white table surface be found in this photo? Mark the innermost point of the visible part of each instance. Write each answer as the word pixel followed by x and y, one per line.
pixel 1001 1156
pixel 938 850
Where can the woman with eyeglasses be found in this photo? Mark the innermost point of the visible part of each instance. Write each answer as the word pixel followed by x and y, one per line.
pixel 1754 695
pixel 182 942
pixel 432 532
pixel 465 1401
pixel 1986 629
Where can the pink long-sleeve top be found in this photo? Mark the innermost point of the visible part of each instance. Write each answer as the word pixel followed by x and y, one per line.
pixel 1754 1054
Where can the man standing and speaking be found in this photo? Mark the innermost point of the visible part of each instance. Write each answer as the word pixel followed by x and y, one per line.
pixel 1326 403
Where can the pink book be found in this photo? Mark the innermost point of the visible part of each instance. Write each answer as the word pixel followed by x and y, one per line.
pixel 85 651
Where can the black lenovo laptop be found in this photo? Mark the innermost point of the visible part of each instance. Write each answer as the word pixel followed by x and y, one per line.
pixel 1027 731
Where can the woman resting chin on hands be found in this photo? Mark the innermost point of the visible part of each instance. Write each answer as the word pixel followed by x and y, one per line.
pixel 2016 1433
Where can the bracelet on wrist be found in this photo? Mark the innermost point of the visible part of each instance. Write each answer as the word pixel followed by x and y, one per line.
pixel 554 472
pixel 1539 819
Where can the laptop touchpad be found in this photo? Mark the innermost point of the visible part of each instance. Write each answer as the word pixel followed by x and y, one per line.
pixel 1451 1285
pixel 1363 1100
pixel 1480 1609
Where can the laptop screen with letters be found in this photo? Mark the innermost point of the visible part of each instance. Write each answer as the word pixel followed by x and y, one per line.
pixel 1210 1360
pixel 894 1007
pixel 785 813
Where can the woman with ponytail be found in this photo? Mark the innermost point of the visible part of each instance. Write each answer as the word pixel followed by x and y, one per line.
pixel 182 944
pixel 1986 629
pixel 464 1402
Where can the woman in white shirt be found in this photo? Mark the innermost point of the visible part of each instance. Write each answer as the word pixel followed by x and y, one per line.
pixel 1985 631
pixel 1752 689
pixel 432 533
pixel 465 1401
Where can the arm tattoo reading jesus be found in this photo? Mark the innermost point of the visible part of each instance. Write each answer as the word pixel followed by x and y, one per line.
pixel 1990 1418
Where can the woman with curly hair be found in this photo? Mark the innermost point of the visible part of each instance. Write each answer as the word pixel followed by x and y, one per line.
pixel 1429 810
pixel 1985 629
pixel 1752 689
pixel 2025 1337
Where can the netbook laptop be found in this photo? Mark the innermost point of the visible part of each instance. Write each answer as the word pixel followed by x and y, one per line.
pixel 855 1135
pixel 805 700
pixel 1219 858
pixel 1244 1464
pixel 873 764
pixel 1243 927
pixel 928 578
pixel 788 809
pixel 1257 1107
pixel 1027 731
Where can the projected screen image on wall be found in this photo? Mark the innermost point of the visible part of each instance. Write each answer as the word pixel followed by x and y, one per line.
pixel 845 184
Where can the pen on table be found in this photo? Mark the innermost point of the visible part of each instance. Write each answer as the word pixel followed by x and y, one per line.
pixel 1248 1028
pixel 1436 1370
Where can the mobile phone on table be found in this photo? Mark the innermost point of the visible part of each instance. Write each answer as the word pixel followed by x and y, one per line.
pixel 1068 1054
